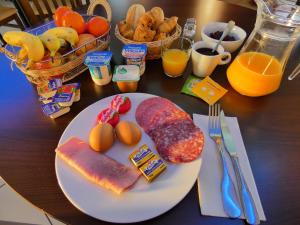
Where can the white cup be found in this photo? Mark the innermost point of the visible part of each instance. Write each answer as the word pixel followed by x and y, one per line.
pixel 204 65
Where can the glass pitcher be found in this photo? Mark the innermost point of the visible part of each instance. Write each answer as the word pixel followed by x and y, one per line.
pixel 258 68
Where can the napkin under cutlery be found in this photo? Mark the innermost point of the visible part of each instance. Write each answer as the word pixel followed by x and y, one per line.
pixel 209 180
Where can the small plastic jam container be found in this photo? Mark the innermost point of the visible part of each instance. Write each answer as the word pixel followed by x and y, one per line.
pixel 126 77
pixel 135 54
pixel 98 63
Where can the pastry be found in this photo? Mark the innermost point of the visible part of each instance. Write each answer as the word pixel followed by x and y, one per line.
pixel 143 34
pixel 125 30
pixel 158 14
pixel 147 20
pixel 160 36
pixel 133 14
pixel 168 25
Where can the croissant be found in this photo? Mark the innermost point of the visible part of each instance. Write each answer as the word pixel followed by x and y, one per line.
pixel 158 15
pixel 147 20
pixel 126 30
pixel 168 25
pixel 143 34
pixel 160 36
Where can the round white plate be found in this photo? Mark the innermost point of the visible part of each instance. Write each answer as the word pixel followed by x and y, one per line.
pixel 145 200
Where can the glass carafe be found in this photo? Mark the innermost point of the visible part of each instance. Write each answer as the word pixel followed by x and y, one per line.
pixel 259 67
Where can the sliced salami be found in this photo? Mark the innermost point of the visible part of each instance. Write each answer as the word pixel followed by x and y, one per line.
pixel 178 141
pixel 149 108
pixel 176 137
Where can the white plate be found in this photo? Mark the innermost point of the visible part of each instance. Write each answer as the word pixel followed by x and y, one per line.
pixel 145 200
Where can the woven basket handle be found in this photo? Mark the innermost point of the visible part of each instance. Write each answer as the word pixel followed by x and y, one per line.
pixel 104 3
pixel 9 54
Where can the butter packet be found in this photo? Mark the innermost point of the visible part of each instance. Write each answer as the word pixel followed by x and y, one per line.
pixel 64 99
pixel 53 110
pixel 49 89
pixel 141 155
pixel 209 91
pixel 190 82
pixel 152 168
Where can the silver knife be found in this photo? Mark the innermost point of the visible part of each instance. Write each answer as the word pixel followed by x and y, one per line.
pixel 248 204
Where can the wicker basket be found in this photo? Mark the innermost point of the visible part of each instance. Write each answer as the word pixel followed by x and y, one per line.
pixel 71 64
pixel 154 47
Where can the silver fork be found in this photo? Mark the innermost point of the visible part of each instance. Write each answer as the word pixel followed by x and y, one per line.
pixel 230 202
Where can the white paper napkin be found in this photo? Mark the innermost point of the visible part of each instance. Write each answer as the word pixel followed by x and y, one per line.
pixel 209 180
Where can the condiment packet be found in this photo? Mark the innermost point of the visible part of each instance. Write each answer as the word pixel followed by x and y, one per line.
pixel 189 84
pixel 64 99
pixel 69 88
pixel 54 110
pixel 49 89
pixel 209 90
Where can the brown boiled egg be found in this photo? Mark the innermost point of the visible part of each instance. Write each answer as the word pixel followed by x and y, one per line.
pixel 101 137
pixel 128 133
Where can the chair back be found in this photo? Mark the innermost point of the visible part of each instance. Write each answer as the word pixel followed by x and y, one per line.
pixel 39 11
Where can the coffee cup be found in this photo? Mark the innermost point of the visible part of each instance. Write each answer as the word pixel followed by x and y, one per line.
pixel 204 61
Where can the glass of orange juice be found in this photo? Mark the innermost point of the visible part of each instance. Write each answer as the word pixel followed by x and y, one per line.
pixel 175 56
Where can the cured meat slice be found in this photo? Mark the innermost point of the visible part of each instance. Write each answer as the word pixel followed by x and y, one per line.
pixel 176 137
pixel 149 107
pixel 155 111
pixel 96 167
pixel 178 141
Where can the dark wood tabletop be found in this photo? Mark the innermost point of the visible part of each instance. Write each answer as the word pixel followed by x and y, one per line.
pixel 269 125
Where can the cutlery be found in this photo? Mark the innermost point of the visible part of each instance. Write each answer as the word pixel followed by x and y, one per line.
pixel 227 30
pixel 295 72
pixel 229 199
pixel 248 204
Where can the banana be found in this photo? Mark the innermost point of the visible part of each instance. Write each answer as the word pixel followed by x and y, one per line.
pixel 51 42
pixel 22 54
pixel 66 33
pixel 30 43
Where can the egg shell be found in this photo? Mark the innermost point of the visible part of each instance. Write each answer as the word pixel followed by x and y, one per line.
pixel 101 137
pixel 128 132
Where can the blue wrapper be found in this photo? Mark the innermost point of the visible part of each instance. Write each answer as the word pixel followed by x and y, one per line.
pixel 62 97
pixel 50 108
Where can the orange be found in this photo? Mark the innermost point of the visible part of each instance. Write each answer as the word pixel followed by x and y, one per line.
pixel 97 26
pixel 58 14
pixel 83 39
pixel 74 20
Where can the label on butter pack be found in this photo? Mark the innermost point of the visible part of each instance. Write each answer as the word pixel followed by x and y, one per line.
pixel 141 155
pixel 154 167
pixel 50 108
pixel 63 97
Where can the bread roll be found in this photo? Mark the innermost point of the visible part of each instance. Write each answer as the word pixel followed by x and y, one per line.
pixel 158 14
pixel 134 13
pixel 160 36
pixel 168 25
pixel 125 30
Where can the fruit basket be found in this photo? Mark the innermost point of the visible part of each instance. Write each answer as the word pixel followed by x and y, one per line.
pixel 67 65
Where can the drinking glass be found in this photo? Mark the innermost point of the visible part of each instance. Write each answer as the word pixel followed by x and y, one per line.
pixel 175 56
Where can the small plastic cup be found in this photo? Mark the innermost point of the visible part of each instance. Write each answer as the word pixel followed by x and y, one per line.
pixel 126 77
pixel 135 54
pixel 98 63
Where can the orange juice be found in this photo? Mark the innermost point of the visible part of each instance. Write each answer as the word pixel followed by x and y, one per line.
pixel 255 74
pixel 174 62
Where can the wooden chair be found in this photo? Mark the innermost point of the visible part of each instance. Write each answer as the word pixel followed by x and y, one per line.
pixel 39 11
pixel 8 14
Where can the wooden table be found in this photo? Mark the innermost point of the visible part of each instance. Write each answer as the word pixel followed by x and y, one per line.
pixel 269 125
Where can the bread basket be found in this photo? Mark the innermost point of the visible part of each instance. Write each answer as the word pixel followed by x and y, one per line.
pixel 154 47
pixel 71 64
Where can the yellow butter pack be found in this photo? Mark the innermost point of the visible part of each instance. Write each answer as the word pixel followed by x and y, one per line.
pixel 209 91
